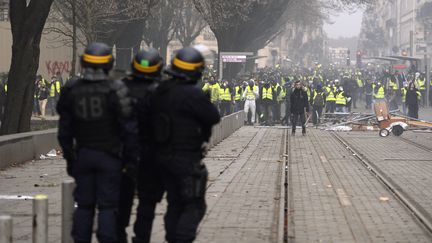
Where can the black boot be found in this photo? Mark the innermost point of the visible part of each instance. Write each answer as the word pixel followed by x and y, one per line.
pixel 304 131
pixel 293 132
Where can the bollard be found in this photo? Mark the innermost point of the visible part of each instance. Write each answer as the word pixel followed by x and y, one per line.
pixel 5 229
pixel 68 204
pixel 40 219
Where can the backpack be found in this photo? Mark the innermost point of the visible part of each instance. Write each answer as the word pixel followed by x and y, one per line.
pixel 319 99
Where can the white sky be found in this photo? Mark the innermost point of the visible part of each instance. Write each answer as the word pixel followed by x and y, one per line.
pixel 345 25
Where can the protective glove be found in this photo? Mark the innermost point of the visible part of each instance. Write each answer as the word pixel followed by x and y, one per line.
pixel 70 162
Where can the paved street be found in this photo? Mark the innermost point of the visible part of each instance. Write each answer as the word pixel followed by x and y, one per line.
pixel 332 196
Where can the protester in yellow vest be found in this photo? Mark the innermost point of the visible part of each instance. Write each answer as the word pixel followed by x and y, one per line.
pixel 267 101
pixel 225 96
pixel 379 92
pixel 250 94
pixel 213 88
pixel 341 100
pixel 330 98
pixel 54 87
pixel 318 102
pixel 278 98
pixel 420 83
pixel 238 91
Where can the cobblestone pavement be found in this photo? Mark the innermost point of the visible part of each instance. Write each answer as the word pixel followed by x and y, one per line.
pixel 408 166
pixel 335 199
pixel 424 138
pixel 243 193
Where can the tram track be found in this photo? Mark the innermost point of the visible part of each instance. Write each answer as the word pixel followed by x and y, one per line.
pixel 418 145
pixel 423 217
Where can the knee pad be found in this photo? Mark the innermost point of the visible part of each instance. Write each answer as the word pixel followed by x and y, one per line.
pixel 194 186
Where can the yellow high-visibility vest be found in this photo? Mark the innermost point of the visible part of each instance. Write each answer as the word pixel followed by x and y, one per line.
pixel 404 92
pixel 420 83
pixel 214 91
pixel 392 85
pixel 330 93
pixel 380 94
pixel 58 86
pixel 225 94
pixel 52 90
pixel 5 88
pixel 360 83
pixel 315 95
pixel 237 95
pixel 250 92
pixel 341 99
pixel 282 94
pixel 267 93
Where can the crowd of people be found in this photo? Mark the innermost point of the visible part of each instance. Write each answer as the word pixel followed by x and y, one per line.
pixel 46 95
pixel 265 93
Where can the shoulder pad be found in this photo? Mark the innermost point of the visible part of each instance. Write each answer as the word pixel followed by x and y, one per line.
pixel 119 88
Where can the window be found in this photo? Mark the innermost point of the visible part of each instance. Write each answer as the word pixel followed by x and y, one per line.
pixel 4 10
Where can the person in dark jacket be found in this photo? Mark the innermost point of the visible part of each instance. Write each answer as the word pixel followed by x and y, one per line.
pixel 299 105
pixel 412 100
pixel 182 117
pixel 145 75
pixel 98 135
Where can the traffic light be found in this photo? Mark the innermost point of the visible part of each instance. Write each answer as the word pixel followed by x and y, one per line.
pixel 359 59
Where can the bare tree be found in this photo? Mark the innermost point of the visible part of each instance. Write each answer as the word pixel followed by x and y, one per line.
pixel 27 23
pixel 242 25
pixel 250 24
pixel 115 22
pixel 190 24
pixel 160 27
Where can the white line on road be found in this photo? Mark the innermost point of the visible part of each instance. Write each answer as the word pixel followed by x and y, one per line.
pixel 15 197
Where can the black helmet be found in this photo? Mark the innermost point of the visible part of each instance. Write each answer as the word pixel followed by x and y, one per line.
pixel 97 56
pixel 187 64
pixel 147 64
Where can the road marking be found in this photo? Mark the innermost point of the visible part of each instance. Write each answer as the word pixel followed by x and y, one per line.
pixel 15 197
pixel 323 159
pixel 343 197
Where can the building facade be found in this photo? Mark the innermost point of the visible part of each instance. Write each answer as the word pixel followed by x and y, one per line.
pixel 396 28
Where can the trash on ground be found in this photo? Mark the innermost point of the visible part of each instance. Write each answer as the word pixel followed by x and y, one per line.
pixel 51 154
pixel 384 199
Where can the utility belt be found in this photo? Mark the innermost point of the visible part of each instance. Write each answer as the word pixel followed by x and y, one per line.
pixel 115 151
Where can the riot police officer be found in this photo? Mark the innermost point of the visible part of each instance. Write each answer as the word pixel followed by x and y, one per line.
pixel 145 74
pixel 95 129
pixel 182 117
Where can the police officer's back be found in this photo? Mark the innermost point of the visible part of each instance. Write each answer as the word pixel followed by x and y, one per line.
pixel 145 75
pixel 94 131
pixel 182 118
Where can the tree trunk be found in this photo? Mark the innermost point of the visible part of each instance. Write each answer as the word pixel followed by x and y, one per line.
pixel 74 38
pixel 130 38
pixel 27 23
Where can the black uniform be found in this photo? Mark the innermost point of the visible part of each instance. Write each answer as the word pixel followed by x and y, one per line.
pixel 148 177
pixel 95 129
pixel 182 118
